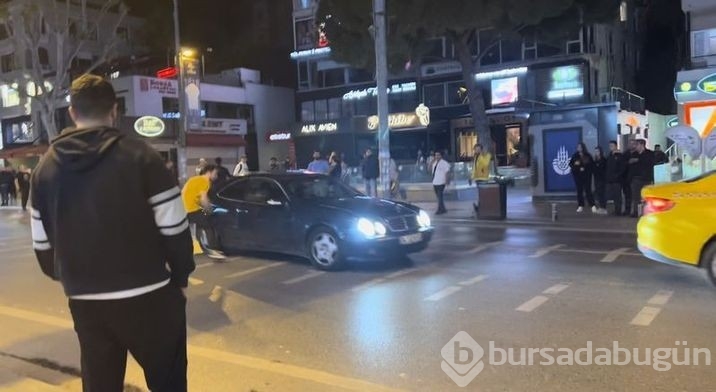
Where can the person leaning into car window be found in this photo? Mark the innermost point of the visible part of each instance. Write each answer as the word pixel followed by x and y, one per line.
pixel 195 196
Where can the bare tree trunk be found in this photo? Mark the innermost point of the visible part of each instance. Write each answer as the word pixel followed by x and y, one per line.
pixel 476 101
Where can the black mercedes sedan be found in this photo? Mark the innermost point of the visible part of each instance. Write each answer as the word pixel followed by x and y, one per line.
pixel 317 217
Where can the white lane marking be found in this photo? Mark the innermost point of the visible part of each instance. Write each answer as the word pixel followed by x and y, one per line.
pixel 254 270
pixel 556 289
pixel 304 277
pixel 483 247
pixel 614 255
pixel 661 298
pixel 195 281
pixel 545 251
pixel 583 251
pixel 646 316
pixel 470 282
pixel 443 293
pixel 377 281
pixel 532 304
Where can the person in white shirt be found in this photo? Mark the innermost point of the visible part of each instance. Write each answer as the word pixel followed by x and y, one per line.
pixel 242 168
pixel 440 171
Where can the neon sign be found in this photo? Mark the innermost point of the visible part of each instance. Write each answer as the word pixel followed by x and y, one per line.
pixel 419 118
pixel 310 53
pixel 149 126
pixel 319 128
pixel 707 84
pixel 501 73
pixel 566 82
pixel 373 91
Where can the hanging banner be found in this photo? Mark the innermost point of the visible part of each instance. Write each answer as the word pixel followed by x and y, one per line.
pixel 686 137
pixel 191 72
pixel 558 147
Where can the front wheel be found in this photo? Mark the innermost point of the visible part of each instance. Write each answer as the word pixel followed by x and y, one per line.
pixel 708 261
pixel 324 250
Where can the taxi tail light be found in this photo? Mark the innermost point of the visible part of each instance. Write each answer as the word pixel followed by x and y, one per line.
pixel 655 205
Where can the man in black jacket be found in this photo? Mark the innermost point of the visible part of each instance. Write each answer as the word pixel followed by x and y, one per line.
pixel 109 224
pixel 616 175
pixel 371 171
pixel 641 173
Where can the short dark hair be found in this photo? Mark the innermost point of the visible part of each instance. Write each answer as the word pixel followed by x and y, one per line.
pixel 218 161
pixel 614 142
pixel 641 142
pixel 92 97
pixel 657 145
pixel 208 169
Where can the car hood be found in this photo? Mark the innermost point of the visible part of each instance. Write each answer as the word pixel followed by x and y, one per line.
pixel 366 206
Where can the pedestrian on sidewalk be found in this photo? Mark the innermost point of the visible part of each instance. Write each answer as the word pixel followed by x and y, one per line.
pixel 370 167
pixel 582 165
pixel 626 186
pixel 22 183
pixel 108 223
pixel 615 176
pixel 335 169
pixel 641 173
pixel 481 164
pixel 318 164
pixel 197 203
pixel 202 162
pixel 6 180
pixel 441 178
pixel 600 180
pixel 242 168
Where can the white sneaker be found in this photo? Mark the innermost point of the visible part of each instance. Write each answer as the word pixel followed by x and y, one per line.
pixel 595 210
pixel 580 209
pixel 215 254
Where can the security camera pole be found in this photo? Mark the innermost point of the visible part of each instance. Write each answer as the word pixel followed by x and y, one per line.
pixel 381 75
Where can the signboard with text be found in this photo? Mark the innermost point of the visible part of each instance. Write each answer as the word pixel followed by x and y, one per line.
pixel 223 126
pixel 420 118
pixel 164 87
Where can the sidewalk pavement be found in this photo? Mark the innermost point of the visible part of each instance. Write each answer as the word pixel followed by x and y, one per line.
pixel 18 375
pixel 522 211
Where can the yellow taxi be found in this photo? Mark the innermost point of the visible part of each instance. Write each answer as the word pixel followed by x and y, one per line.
pixel 678 225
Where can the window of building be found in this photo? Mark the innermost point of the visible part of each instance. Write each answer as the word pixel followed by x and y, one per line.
pixel 366 107
pixel 456 93
pixel 436 48
pixel 321 106
pixel 10 96
pixel 623 11
pixel 44 56
pixel 489 47
pixel 170 106
pixel 221 109
pixel 121 106
pixel 359 76
pixel 334 108
pixel 20 132
pixel 123 33
pixel 303 80
pixel 306 36
pixel 511 50
pixel 434 95
pixel 7 62
pixel 529 48
pixel 703 43
pixel 303 4
pixel 307 111
pixel 348 108
pixel 332 77
pixel 574 44
pixel 547 50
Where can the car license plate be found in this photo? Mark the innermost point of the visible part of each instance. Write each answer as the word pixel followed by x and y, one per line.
pixel 411 239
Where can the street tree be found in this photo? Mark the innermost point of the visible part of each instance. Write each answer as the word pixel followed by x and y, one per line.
pixel 54 40
pixel 412 24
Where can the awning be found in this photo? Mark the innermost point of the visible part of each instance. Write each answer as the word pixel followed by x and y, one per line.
pixel 31 150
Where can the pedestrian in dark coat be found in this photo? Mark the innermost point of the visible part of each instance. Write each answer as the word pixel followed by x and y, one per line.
pixel 582 165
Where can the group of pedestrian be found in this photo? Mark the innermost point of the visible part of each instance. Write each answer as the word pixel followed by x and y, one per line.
pixel 620 176
pixel 14 183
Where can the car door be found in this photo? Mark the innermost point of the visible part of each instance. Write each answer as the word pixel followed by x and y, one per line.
pixel 231 217
pixel 270 215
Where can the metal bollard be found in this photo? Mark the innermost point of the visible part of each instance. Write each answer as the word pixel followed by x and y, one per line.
pixel 555 215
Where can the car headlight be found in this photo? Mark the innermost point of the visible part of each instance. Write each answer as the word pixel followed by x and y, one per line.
pixel 371 229
pixel 424 219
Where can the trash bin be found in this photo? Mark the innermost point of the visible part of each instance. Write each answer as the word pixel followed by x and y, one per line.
pixel 493 200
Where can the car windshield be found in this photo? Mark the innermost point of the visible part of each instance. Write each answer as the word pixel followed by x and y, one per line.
pixel 701 177
pixel 315 187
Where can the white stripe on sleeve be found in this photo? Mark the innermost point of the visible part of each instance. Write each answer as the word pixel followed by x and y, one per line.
pixel 39 236
pixel 169 212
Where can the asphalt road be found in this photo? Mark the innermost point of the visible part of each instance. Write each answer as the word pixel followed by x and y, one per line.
pixel 270 323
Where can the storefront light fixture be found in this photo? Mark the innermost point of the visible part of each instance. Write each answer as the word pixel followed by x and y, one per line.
pixel 686 86
pixel 501 73
pixel 188 52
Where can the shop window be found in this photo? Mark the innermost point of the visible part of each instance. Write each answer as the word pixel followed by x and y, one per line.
pixel 321 110
pixel 456 93
pixel 511 50
pixel 489 47
pixel 20 132
pixel 434 95
pixel 307 111
pixel 334 108
pixel 466 141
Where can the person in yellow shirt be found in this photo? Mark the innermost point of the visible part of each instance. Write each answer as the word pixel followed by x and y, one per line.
pixel 481 164
pixel 195 196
